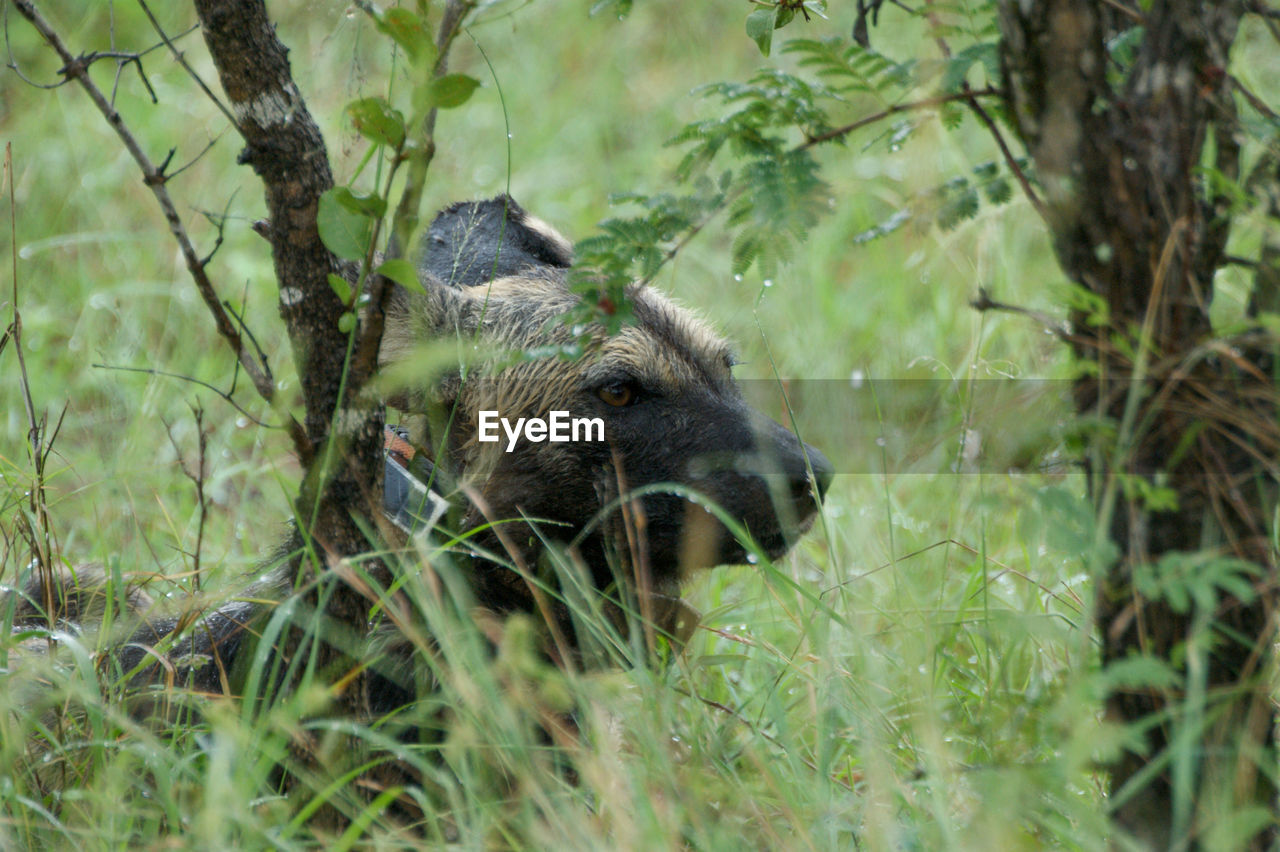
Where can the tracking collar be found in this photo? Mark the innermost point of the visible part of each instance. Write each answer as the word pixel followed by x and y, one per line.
pixel 410 498
pixel 411 501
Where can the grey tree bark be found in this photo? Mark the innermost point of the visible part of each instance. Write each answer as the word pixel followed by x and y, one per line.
pixel 343 423
pixel 1119 154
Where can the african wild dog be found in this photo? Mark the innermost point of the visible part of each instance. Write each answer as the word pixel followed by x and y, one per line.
pixel 662 388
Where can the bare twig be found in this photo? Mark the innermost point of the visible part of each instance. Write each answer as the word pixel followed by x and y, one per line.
pixel 41 538
pixel 219 222
pixel 244 328
pixel 1254 101
pixel 911 106
pixel 77 69
pixel 935 27
pixel 984 302
pixel 1010 160
pixel 12 65
pixel 870 10
pixel 197 158
pixel 1132 14
pixel 225 395
pixel 182 60
pixel 197 477
pixel 755 729
pixel 689 235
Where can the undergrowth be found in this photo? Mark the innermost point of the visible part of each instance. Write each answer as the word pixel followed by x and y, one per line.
pixel 919 673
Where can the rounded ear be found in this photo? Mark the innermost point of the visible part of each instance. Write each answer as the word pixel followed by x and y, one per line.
pixel 474 242
pixel 471 244
pixel 417 320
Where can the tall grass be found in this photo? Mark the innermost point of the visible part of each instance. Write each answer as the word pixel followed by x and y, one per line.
pixel 916 674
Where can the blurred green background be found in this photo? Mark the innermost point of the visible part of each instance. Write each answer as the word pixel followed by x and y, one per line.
pixel 945 707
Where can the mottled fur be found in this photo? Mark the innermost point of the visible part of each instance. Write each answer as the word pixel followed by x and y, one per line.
pixel 686 423
pixel 495 277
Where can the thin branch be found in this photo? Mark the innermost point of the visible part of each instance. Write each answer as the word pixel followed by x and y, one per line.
pixel 861 32
pixel 405 220
pixel 1010 160
pixel 12 65
pixel 935 27
pixel 41 540
pixel 15 328
pixel 197 478
pixel 984 302
pixel 125 57
pixel 729 198
pixel 182 60
pixel 219 222
pixel 926 103
pixel 679 246
pixel 1254 101
pixel 77 69
pixel 1132 14
pixel 225 395
pixel 197 158
pixel 733 714
pixel 244 327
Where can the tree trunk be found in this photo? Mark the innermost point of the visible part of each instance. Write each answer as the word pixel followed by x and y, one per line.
pixel 1189 464
pixel 344 424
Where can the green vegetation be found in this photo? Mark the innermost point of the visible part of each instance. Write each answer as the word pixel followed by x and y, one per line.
pixel 920 673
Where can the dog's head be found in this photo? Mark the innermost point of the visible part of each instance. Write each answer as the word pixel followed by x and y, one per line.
pixel 653 408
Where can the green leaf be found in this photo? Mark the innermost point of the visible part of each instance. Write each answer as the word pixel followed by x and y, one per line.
pixel 895 221
pixel 760 26
pixel 452 90
pixel 952 115
pixel 346 322
pixel 409 32
pixel 372 205
pixel 986 54
pixel 623 7
pixel 343 232
pixel 340 286
pixel 852 67
pixel 1139 671
pixel 999 191
pixel 961 206
pixel 745 250
pixel 400 271
pixel 377 121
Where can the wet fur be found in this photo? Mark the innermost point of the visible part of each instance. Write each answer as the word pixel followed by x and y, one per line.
pixel 495 275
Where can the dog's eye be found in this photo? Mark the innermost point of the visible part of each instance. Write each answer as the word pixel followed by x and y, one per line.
pixel 618 394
